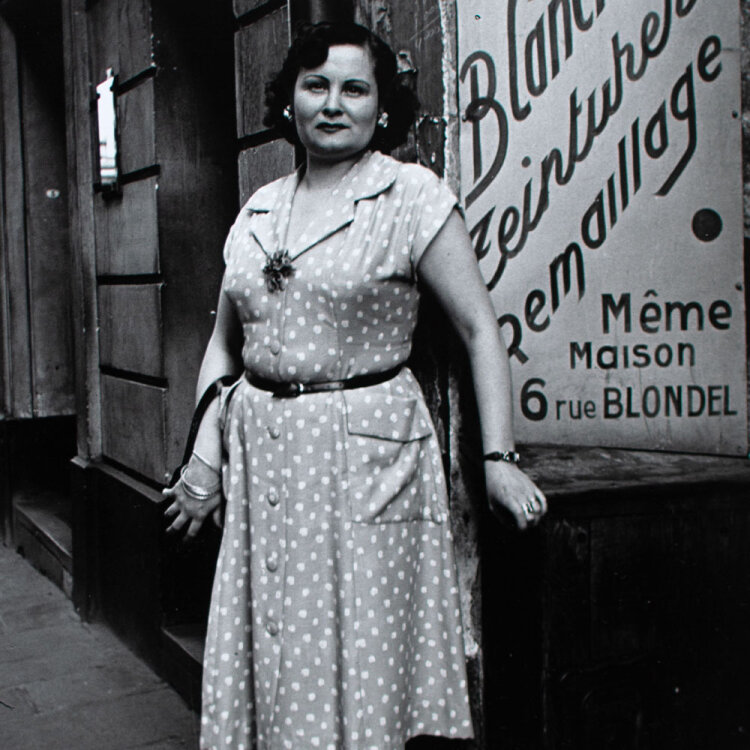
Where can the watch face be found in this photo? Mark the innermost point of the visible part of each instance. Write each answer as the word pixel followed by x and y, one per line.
pixel 510 457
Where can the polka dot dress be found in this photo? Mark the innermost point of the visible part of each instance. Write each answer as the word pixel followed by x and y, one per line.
pixel 334 621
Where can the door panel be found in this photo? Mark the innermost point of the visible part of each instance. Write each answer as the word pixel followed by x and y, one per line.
pixel 130 336
pixel 127 239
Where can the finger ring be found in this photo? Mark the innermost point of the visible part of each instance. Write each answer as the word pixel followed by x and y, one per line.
pixel 528 509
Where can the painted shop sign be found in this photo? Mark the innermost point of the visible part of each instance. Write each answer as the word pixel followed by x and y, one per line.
pixel 600 172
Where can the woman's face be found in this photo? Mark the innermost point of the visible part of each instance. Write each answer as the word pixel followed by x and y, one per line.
pixel 336 104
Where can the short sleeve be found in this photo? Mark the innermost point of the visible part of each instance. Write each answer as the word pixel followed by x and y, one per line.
pixel 432 207
pixel 227 252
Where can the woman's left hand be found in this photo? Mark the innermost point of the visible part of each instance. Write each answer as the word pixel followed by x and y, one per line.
pixel 510 491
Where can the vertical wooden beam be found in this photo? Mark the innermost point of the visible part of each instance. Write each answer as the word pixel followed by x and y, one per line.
pixel 81 216
pixel 14 231
pixel 5 322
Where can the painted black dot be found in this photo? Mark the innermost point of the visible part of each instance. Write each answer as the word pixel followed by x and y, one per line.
pixel 526 161
pixel 707 225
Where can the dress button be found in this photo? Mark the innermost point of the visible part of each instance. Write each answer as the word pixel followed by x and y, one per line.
pixel 272 627
pixel 272 562
pixel 273 498
pixel 275 346
pixel 274 432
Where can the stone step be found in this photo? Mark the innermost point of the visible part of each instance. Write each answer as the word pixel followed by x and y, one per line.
pixel 182 660
pixel 42 533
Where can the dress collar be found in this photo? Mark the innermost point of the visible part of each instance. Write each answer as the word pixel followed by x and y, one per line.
pixel 371 175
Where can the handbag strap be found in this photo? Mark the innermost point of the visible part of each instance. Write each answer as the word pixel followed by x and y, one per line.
pixel 208 396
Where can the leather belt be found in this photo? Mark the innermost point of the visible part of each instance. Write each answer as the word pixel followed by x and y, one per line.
pixel 292 389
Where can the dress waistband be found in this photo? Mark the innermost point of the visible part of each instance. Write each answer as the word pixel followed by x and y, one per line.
pixel 292 389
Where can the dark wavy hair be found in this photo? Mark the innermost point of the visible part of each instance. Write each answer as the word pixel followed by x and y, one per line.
pixel 310 49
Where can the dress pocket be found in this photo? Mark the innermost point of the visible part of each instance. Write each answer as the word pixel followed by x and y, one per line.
pixel 390 472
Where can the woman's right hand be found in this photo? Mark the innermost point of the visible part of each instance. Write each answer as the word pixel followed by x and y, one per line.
pixel 185 509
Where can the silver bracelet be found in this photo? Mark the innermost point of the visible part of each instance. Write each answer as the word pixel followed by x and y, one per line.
pixel 198 493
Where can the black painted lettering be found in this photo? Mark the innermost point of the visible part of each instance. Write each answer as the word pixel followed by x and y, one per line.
pixel 594 211
pixel 514 350
pixel 628 52
pixel 673 400
pixel 582 22
pixel 477 105
pixel 685 349
pixel 650 315
pixel 563 261
pixel 535 302
pixel 612 403
pixel 684 113
pixel 580 353
pixel 589 409
pixel 696 398
pixel 615 309
pixel 714 397
pixel 559 406
pixel 720 311
pixel 612 198
pixel 623 161
pixel 641 355
pixel 684 310
pixel 606 357
pixel 657 134
pixel 554 37
pixel 636 140
pixel 683 7
pixel 520 112
pixel 727 411
pixel 651 401
pixel 709 51
pixel 576 110
pixel 663 355
pixel 479 235
pixel 630 410
pixel 536 86
pixel 650 29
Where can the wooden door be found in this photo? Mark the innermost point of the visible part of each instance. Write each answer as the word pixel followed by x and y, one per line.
pixel 158 238
pixel 36 366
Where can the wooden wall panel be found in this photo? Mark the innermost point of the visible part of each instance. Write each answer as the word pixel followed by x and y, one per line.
pixel 135 125
pixel 80 153
pixel 133 426
pixel 415 27
pixel 259 52
pixel 47 249
pixel 243 6
pixel 130 335
pixel 197 197
pixel 127 239
pixel 262 164
pixel 14 235
pixel 120 38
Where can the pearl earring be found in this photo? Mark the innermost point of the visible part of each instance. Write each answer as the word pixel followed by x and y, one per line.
pixel 287 113
pixel 383 120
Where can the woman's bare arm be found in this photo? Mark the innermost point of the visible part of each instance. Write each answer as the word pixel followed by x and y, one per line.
pixel 449 269
pixel 222 357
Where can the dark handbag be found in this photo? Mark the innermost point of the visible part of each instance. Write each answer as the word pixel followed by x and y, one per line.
pixel 208 396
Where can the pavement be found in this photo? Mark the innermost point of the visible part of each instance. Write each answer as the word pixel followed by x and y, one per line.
pixel 69 685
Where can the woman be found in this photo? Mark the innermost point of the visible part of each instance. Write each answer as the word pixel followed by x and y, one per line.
pixel 335 616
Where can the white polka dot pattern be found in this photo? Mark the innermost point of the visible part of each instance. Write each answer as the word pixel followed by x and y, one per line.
pixel 335 620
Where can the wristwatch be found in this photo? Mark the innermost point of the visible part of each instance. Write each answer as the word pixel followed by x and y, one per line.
pixel 510 457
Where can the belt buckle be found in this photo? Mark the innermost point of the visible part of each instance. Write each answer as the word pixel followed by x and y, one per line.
pixel 289 390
